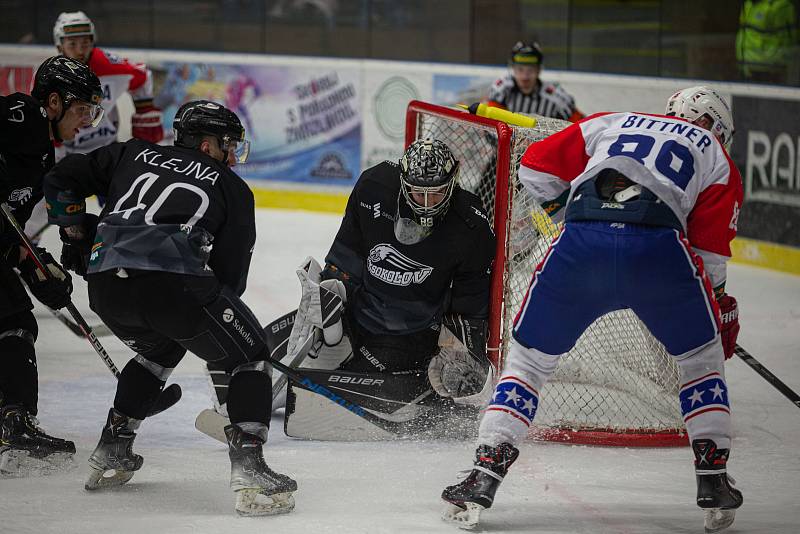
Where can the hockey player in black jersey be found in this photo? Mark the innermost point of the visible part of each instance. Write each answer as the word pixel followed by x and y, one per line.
pixel 413 252
pixel 166 267
pixel 64 98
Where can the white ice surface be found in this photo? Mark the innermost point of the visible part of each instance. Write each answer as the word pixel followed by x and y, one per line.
pixel 395 487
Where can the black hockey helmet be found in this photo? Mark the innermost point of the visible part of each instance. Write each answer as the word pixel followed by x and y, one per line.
pixel 428 173
pixel 199 118
pixel 526 53
pixel 72 81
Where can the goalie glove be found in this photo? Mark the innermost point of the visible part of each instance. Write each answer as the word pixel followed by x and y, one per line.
pixel 461 369
pixel 321 307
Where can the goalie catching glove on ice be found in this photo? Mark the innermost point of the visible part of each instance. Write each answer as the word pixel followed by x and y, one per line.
pixel 461 369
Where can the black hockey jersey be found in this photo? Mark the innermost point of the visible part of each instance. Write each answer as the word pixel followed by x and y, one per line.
pixel 26 154
pixel 168 208
pixel 407 288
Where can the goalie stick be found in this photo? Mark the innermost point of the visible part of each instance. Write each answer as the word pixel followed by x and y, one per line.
pixel 767 375
pixel 167 398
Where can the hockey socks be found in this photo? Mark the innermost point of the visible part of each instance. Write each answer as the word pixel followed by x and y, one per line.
pixel 19 379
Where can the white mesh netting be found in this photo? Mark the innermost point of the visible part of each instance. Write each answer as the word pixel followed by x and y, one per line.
pixel 618 379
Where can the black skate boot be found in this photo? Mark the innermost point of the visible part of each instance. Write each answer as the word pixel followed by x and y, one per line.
pixel 715 492
pixel 259 489
pixel 25 449
pixel 476 492
pixel 114 453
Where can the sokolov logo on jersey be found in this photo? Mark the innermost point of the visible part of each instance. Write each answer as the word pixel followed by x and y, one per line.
pixel 229 317
pixel 387 264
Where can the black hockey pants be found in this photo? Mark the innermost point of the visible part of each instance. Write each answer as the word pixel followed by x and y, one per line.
pixel 161 316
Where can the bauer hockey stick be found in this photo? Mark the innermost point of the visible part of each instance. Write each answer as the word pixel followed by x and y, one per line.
pixel 767 375
pixel 168 397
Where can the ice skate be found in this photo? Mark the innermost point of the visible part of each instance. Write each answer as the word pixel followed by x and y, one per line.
pixel 475 493
pixel 259 489
pixel 716 494
pixel 25 449
pixel 113 463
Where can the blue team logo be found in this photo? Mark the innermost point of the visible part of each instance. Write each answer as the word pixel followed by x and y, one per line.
pixel 706 394
pixel 515 397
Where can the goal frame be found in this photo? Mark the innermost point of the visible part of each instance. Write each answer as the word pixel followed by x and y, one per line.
pixel 622 437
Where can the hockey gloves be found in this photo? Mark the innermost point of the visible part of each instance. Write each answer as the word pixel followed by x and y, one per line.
pixel 460 369
pixel 321 307
pixel 77 244
pixel 729 327
pixel 54 289
pixel 146 122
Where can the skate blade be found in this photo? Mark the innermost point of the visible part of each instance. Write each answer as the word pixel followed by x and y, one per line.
pixel 466 519
pixel 98 479
pixel 252 503
pixel 717 519
pixel 16 463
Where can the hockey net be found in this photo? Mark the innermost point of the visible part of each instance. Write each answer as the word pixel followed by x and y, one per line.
pixel 618 386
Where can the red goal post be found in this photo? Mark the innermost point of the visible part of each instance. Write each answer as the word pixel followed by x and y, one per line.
pixel 617 386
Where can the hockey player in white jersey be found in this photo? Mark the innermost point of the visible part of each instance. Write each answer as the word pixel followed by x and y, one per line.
pixel 651 204
pixel 521 91
pixel 75 36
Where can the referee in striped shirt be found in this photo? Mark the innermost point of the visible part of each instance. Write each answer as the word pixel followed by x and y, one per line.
pixel 522 91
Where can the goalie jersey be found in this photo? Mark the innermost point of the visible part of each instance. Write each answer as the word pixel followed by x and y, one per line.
pixel 688 171
pixel 168 208
pixel 399 288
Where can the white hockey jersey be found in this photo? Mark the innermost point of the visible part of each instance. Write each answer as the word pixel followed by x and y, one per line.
pixel 684 165
pixel 117 75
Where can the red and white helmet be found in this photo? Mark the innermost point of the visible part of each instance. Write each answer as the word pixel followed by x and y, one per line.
pixel 696 102
pixel 73 24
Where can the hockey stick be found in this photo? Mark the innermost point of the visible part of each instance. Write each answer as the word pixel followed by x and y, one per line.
pixel 767 375
pixel 166 398
pixel 298 376
pixel 99 330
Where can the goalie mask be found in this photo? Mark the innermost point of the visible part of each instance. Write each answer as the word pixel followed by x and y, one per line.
pixel 204 118
pixel 428 173
pixel 695 103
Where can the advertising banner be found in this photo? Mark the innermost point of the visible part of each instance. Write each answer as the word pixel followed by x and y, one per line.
pixel 303 123
pixel 766 149
pixel 385 99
